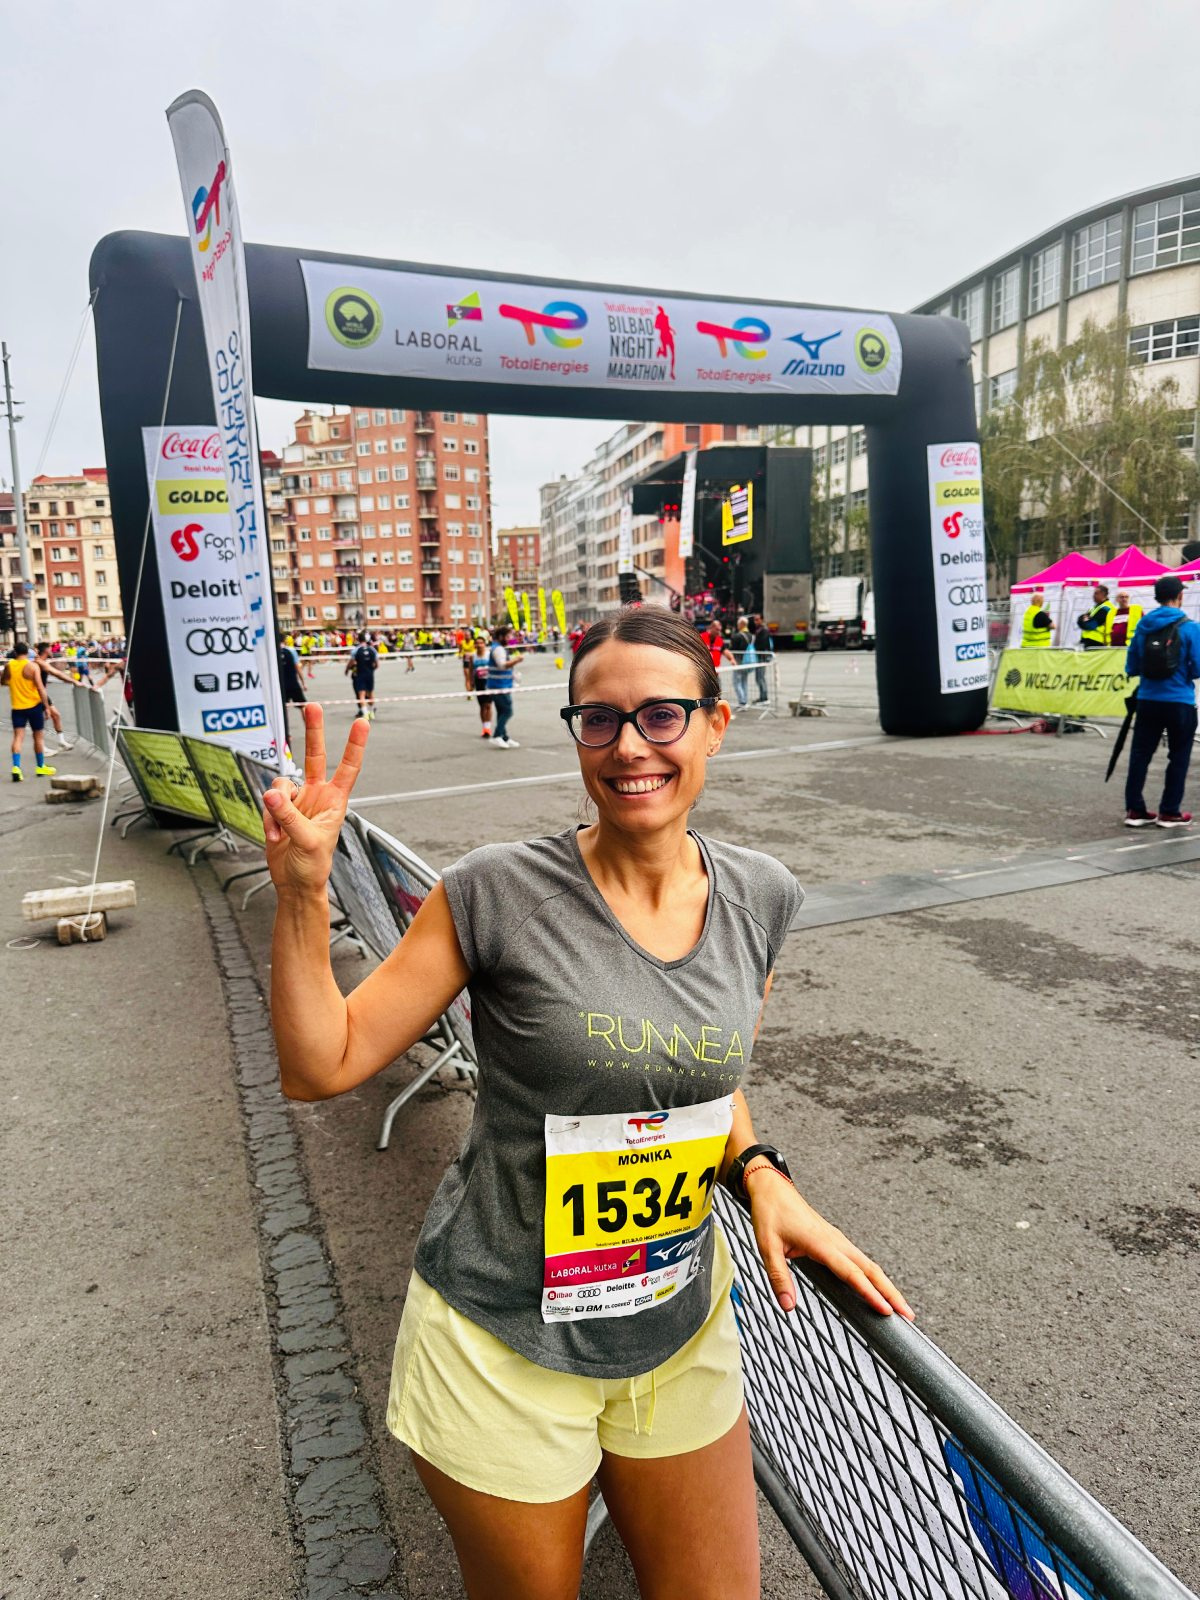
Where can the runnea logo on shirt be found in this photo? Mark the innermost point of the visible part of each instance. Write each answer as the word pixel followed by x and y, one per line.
pixel 627 1204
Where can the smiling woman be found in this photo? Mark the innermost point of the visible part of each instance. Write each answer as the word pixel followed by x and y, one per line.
pixel 569 1315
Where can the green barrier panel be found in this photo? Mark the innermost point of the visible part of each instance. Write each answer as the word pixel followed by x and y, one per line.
pixel 1063 683
pixel 159 765
pixel 223 782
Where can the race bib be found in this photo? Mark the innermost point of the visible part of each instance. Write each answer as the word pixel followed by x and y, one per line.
pixel 627 1205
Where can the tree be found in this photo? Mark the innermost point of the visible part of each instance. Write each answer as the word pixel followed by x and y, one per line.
pixel 824 524
pixel 1089 434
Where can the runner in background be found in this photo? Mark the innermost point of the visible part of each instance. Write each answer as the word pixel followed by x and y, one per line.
pixel 361 670
pixel 500 682
pixel 410 645
pixel 46 667
pixel 479 680
pixel 27 693
pixel 526 1363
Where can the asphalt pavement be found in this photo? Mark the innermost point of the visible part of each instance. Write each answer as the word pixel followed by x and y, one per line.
pixel 997 1098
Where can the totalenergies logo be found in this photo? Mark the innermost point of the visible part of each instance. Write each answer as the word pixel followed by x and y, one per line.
pixel 748 336
pixel 206 208
pixel 556 320
pixel 649 1124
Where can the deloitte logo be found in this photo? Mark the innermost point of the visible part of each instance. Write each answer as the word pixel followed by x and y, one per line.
pixel 871 350
pixel 353 318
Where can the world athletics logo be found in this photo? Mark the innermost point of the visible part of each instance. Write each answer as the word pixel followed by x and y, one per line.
pixel 556 320
pixel 748 336
pixel 206 207
pixel 353 317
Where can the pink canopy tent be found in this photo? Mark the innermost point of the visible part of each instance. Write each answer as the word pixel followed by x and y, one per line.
pixel 1130 569
pixel 1052 584
pixel 1191 588
pixel 1072 566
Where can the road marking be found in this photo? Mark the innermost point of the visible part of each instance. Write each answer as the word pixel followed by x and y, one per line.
pixel 562 777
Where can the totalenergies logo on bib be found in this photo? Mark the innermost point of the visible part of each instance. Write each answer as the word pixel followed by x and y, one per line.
pixel 646 1129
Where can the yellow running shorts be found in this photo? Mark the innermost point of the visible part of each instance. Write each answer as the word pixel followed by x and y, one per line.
pixel 498 1423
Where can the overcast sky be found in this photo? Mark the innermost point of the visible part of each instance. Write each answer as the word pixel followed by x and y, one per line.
pixel 865 153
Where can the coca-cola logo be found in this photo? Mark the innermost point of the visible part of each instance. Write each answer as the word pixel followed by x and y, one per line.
pixel 178 447
pixel 966 456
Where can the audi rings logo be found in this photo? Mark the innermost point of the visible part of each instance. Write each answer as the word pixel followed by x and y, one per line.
pixel 218 641
pixel 966 594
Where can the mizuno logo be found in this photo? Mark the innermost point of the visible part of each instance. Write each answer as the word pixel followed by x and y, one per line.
pixel 812 347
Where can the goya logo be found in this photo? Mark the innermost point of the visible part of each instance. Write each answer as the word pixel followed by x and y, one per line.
pixel 650 1124
pixel 234 718
pixel 871 350
pixel 556 320
pixel 745 335
pixel 353 318
pixel 183 541
pixel 206 208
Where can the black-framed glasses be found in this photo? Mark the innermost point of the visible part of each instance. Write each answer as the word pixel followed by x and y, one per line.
pixel 659 721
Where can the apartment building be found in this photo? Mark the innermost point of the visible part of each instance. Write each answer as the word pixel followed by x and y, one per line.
pixel 74 556
pixel 517 564
pixel 1137 256
pixel 581 516
pixel 386 515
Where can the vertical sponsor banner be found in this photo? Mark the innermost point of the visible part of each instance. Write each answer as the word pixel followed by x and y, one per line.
pixel 959 565
pixel 687 508
pixel 737 514
pixel 625 539
pixel 215 233
pixel 214 667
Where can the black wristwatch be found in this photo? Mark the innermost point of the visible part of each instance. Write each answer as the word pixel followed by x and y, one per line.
pixel 735 1177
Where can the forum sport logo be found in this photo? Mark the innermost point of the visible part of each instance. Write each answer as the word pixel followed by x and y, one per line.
pixel 206 208
pixel 558 320
pixel 353 318
pixel 747 335
pixel 187 546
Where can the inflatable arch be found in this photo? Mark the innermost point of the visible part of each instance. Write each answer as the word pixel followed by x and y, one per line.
pixel 351 330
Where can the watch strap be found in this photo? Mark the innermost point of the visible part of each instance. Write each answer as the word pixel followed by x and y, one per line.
pixel 734 1178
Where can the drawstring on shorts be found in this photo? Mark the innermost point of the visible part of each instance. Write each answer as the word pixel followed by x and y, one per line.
pixel 653 1403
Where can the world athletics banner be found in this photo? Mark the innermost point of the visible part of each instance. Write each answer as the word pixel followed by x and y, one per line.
pixel 1063 683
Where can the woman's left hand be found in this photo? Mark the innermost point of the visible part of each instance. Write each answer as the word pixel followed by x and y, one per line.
pixel 786 1227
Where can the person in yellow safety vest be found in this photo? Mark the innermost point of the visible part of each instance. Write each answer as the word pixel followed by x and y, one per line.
pixel 1093 624
pixel 1123 621
pixel 1037 628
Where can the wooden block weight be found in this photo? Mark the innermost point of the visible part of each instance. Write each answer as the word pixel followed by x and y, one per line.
pixel 83 930
pixel 84 783
pixel 72 797
pixel 48 905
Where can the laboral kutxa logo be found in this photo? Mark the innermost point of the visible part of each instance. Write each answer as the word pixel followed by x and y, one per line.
pixel 353 318
pixel 467 309
pixel 558 321
pixel 747 335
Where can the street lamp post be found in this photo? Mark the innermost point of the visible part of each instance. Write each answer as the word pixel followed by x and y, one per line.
pixel 27 606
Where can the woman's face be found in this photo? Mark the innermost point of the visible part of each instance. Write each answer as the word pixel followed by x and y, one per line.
pixel 636 784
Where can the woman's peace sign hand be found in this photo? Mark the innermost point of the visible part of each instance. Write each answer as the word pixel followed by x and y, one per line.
pixel 302 825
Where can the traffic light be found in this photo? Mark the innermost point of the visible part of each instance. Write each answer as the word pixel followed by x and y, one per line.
pixel 627 587
pixel 6 614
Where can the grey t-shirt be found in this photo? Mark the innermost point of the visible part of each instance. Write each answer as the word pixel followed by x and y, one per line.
pixel 578 1028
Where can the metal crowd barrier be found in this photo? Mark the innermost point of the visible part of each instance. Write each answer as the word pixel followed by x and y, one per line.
pixel 895 1474
pixel 89 715
pixel 768 667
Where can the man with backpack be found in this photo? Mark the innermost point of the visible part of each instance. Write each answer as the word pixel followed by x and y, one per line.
pixel 361 667
pixel 1165 656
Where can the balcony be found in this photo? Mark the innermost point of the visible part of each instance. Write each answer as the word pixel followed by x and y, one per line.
pixel 423 421
pixel 427 480
pixel 429 513
pixel 431 569
pixel 345 543
pixel 432 594
pixel 345 516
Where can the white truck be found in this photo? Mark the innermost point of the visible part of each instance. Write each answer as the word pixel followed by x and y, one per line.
pixel 839 611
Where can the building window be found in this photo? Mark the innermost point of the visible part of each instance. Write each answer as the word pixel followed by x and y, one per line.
pixel 471 446
pixel 395 416
pixel 1045 278
pixel 451 445
pixel 858 500
pixel 1166 233
pixel 379 418
pixel 1002 387
pixel 1096 255
pixel 363 447
pixel 101 577
pixel 470 418
pixel 328 586
pixel 1185 438
pixel 451 473
pixel 859 436
pixel 819 457
pixel 970 309
pixel 362 419
pixel 399 474
pixel 404 557
pixel 839 450
pixel 449 416
pixel 408 585
pixel 1165 341
pixel 382 475
pixel 101 602
pixel 307 586
pixel 365 477
pixel 1177 526
pixel 399 446
pixel 371 585
pixel 1005 288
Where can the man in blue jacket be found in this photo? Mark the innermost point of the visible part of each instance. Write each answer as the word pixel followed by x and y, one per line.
pixel 1165 704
